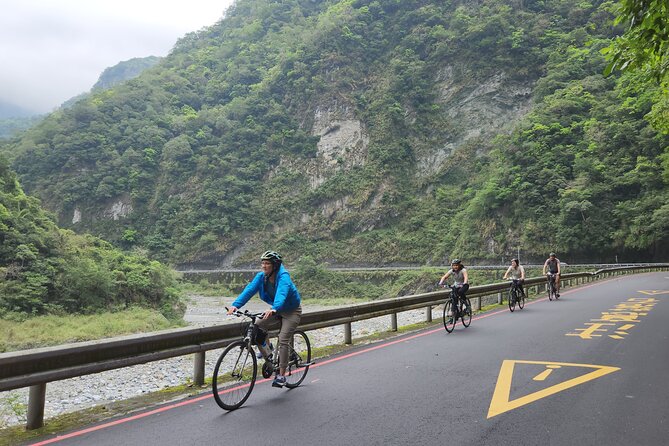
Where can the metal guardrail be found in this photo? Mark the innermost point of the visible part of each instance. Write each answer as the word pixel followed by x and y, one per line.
pixel 249 270
pixel 35 368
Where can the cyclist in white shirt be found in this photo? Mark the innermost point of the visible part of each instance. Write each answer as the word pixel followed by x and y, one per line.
pixel 517 273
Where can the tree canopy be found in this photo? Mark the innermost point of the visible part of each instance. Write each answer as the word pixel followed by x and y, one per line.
pixel 47 270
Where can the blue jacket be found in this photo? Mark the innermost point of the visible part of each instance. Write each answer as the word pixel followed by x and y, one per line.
pixel 286 298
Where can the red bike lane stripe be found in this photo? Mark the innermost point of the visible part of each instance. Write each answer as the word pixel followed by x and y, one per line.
pixel 319 364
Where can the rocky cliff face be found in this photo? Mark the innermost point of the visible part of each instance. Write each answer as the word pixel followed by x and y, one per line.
pixel 477 107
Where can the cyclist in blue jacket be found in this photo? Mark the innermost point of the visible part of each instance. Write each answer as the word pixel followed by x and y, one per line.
pixel 275 288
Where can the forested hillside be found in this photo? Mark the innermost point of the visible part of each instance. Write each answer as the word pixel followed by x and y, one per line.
pixel 368 132
pixel 124 71
pixel 47 270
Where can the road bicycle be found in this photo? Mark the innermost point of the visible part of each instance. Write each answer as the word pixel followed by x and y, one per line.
pixel 516 296
pixel 236 370
pixel 552 287
pixel 462 311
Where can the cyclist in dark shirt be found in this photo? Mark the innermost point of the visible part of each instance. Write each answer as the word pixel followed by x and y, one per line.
pixel 461 279
pixel 552 264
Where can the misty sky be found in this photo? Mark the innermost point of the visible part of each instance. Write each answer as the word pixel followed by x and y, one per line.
pixel 52 50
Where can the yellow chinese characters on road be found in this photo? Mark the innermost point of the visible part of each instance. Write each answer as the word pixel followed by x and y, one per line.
pixel 616 322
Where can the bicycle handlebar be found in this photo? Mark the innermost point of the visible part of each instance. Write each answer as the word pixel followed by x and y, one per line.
pixel 245 313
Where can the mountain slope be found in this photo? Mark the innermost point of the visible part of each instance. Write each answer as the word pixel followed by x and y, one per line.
pixel 123 71
pixel 44 269
pixel 366 131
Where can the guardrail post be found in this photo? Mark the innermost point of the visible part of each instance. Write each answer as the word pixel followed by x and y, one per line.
pixel 36 402
pixel 499 298
pixel 393 322
pixel 428 313
pixel 478 303
pixel 348 339
pixel 198 368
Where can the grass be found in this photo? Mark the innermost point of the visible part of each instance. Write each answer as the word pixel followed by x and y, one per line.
pixel 331 302
pixel 42 331
pixel 205 288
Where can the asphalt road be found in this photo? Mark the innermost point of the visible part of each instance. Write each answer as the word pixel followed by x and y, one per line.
pixel 590 368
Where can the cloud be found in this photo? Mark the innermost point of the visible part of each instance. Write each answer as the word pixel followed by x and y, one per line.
pixel 51 52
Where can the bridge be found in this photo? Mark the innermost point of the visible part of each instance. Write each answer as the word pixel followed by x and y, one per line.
pixel 586 368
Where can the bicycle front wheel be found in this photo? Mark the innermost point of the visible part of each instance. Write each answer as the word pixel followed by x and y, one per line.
pixel 466 313
pixel 299 359
pixel 512 300
pixel 449 321
pixel 550 291
pixel 234 375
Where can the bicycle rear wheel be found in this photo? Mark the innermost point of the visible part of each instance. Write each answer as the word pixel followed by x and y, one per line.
pixel 466 313
pixel 449 321
pixel 299 355
pixel 521 301
pixel 512 300
pixel 234 375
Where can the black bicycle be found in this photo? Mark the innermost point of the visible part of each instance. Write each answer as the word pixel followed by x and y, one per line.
pixel 463 311
pixel 552 287
pixel 237 368
pixel 516 296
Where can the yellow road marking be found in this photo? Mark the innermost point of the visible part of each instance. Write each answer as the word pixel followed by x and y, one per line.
pixel 589 333
pixel 543 375
pixel 654 292
pixel 500 402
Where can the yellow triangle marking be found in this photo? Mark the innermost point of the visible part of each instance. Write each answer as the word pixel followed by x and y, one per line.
pixel 654 292
pixel 500 399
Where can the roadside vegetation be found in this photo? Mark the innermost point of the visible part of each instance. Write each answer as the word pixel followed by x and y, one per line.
pixel 57 286
pixel 43 331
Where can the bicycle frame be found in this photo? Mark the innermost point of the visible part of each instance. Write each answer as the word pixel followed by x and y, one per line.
pixel 250 339
pixel 242 365
pixel 551 279
pixel 552 285
pixel 461 310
